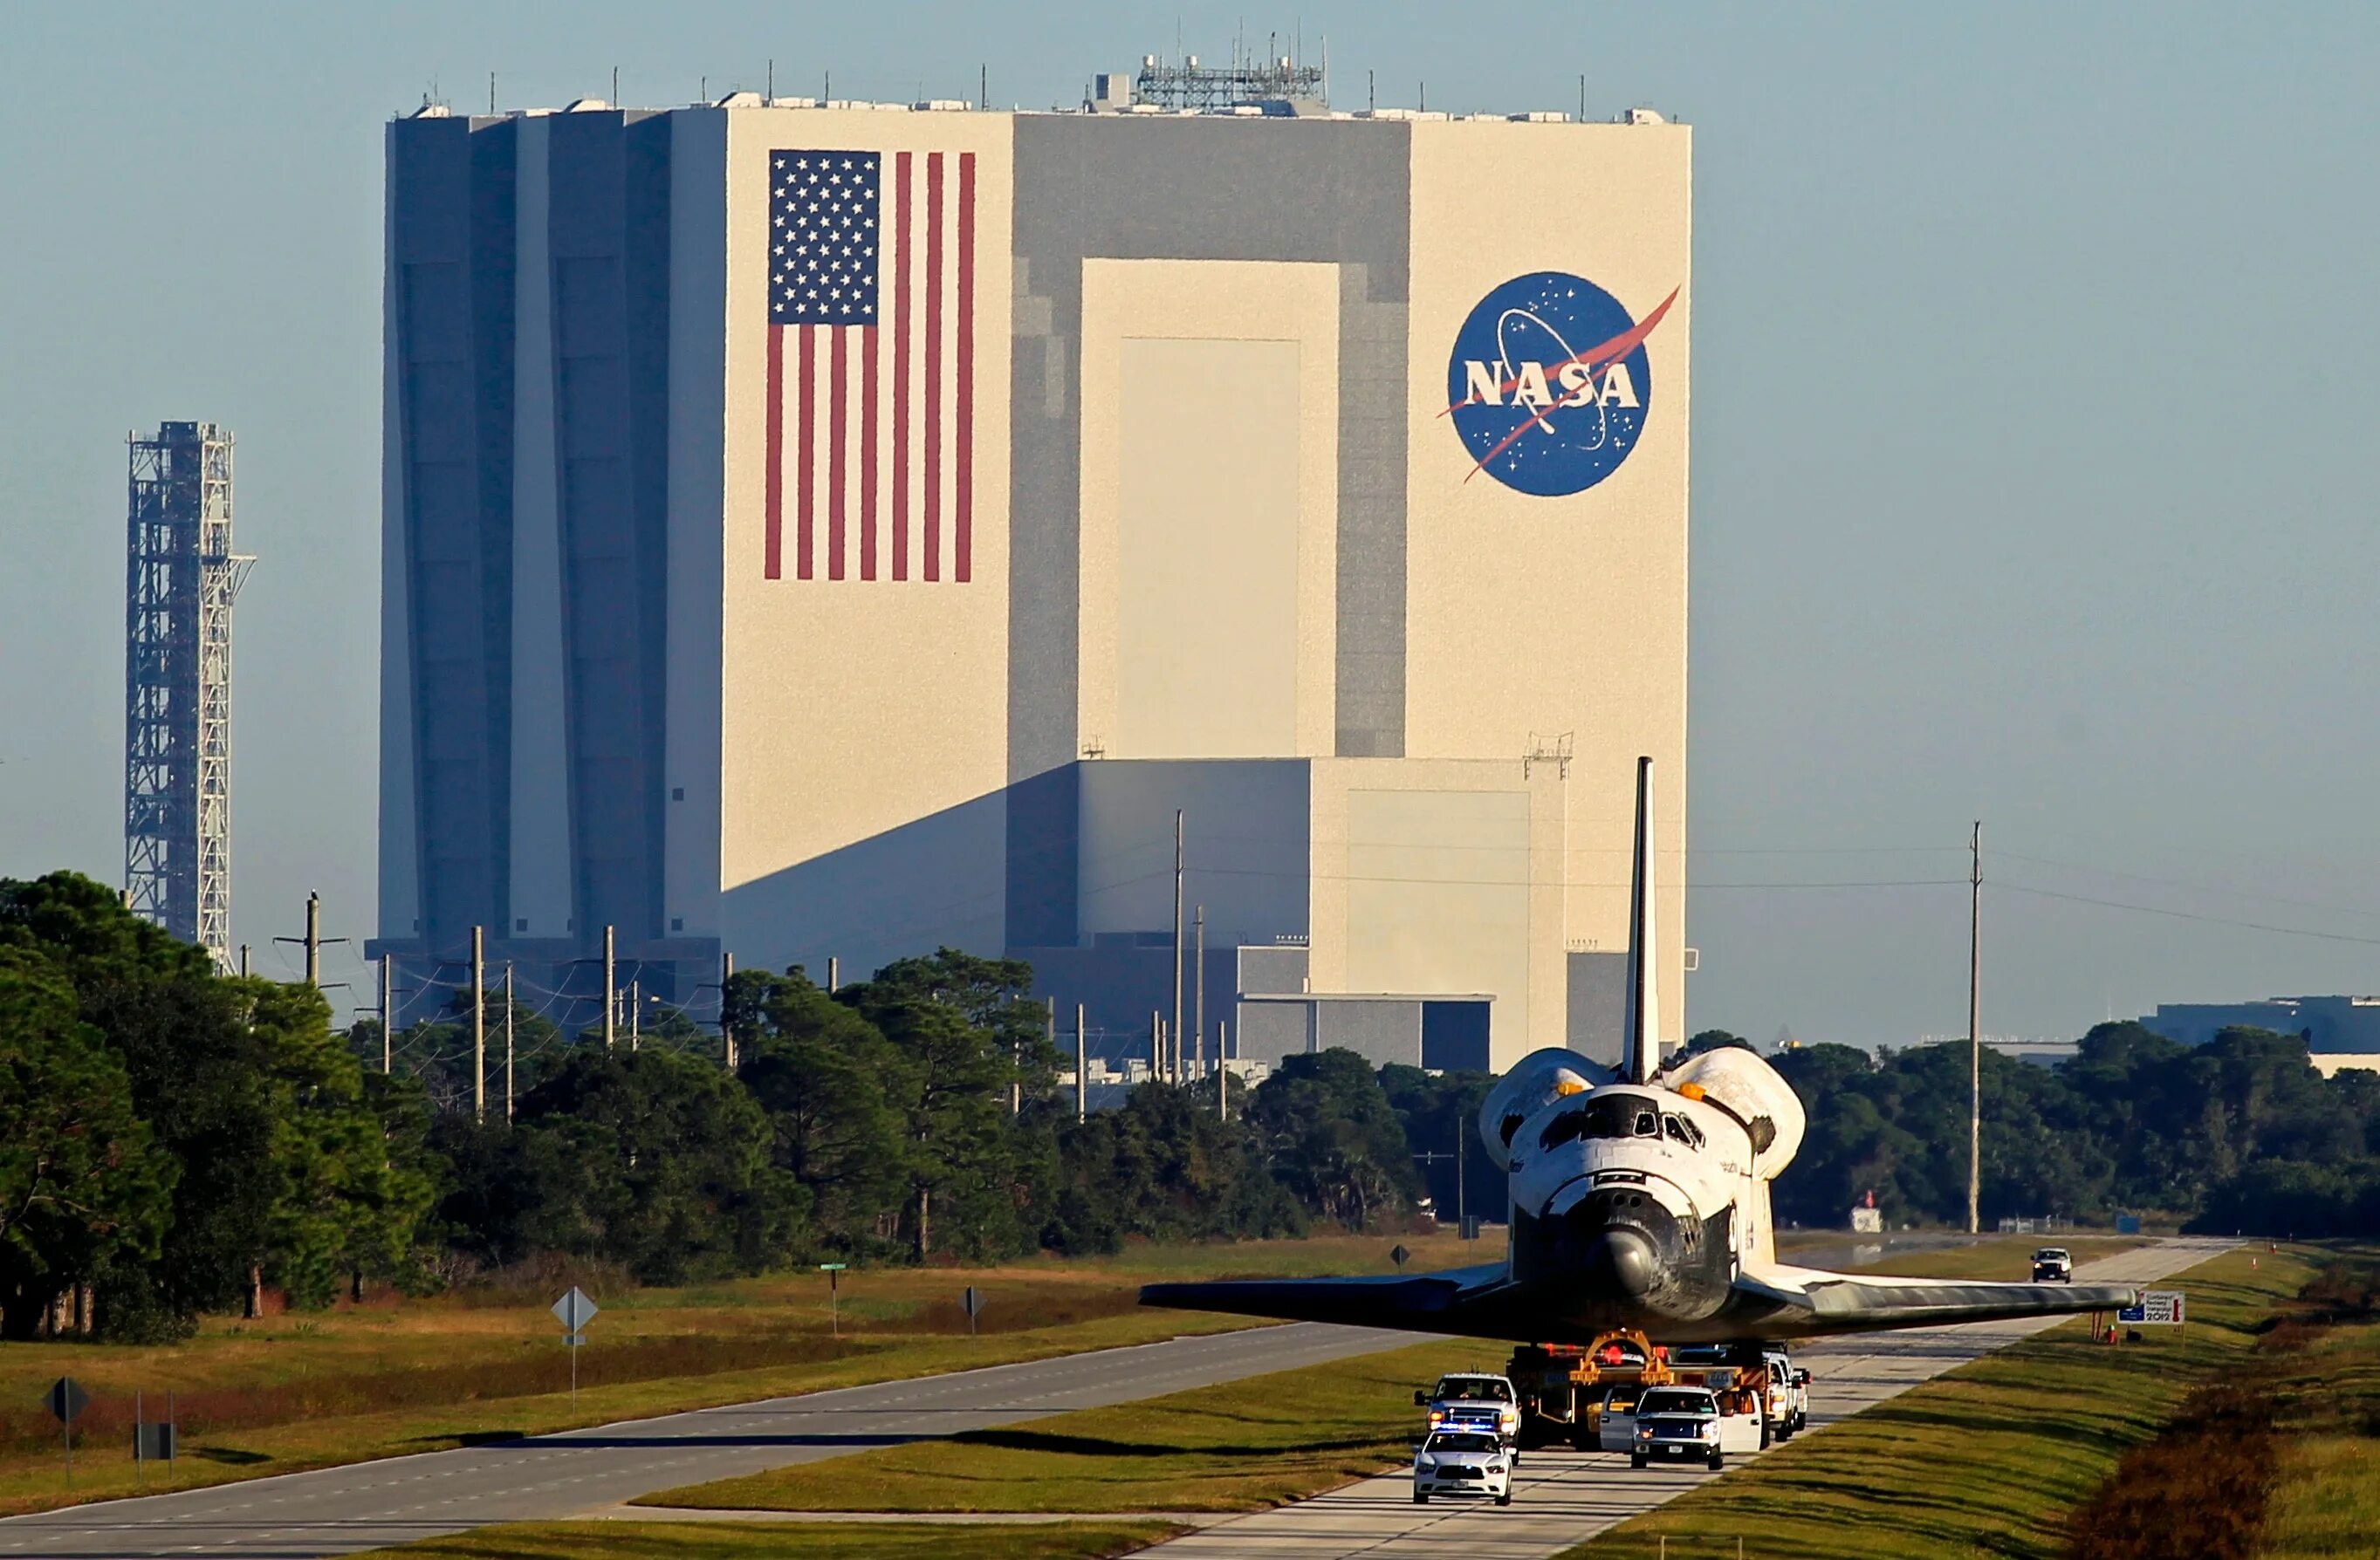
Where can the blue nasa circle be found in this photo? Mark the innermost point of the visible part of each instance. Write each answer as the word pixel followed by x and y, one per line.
pixel 1539 419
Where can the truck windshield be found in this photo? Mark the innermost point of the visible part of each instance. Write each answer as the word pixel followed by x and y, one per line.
pixel 1458 1389
pixel 1672 1401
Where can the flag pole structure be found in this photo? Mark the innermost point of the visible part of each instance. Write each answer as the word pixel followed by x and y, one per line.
pixel 1199 993
pixel 387 1010
pixel 1178 948
pixel 479 1024
pixel 611 987
pixel 1082 1069
pixel 1974 1027
pixel 508 1039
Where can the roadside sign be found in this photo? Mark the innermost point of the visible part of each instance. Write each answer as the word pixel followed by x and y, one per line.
pixel 972 1301
pixel 2158 1308
pixel 2128 1223
pixel 1401 1256
pixel 153 1442
pixel 575 1310
pixel 833 1271
pixel 65 1399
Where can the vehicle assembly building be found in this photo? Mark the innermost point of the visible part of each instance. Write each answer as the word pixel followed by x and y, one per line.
pixel 847 529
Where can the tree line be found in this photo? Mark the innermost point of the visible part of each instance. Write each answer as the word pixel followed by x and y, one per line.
pixel 172 1141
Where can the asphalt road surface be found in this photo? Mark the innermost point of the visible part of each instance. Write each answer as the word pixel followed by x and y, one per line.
pixel 1562 1498
pixel 337 1510
pixel 1559 1499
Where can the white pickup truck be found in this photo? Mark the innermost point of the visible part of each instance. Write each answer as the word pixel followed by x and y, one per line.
pixel 2053 1264
pixel 1684 1423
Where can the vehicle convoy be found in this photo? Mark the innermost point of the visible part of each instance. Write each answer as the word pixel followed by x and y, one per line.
pixel 1471 1463
pixel 2053 1264
pixel 1474 1400
pixel 1763 1371
pixel 1639 1199
pixel 1681 1423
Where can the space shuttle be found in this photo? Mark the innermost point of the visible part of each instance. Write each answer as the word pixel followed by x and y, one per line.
pixel 1639 1199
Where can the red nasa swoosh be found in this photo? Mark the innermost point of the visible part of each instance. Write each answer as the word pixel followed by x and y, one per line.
pixel 1594 358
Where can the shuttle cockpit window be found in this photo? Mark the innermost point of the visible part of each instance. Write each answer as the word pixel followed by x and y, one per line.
pixel 1609 1116
pixel 1677 1128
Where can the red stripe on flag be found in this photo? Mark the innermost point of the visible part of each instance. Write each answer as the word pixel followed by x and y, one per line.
pixel 806 479
pixel 901 374
pixel 868 455
pixel 772 542
pixel 963 530
pixel 933 536
pixel 836 419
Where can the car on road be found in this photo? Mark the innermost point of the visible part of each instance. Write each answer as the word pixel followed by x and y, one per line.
pixel 1469 1463
pixel 2053 1264
pixel 1474 1400
pixel 1684 1423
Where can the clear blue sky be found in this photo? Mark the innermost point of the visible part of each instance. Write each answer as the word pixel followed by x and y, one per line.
pixel 2032 463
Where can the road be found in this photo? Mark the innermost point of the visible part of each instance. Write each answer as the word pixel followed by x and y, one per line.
pixel 338 1510
pixel 1562 1498
pixel 1559 1499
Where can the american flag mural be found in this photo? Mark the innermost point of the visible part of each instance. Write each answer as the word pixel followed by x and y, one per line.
pixel 871 365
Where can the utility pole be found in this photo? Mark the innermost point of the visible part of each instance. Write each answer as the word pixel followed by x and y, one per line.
pixel 479 1024
pixel 508 1039
pixel 1156 1045
pixel 243 961
pixel 727 977
pixel 1198 992
pixel 833 975
pixel 314 941
pixel 1177 943
pixel 1222 1071
pixel 635 1012
pixel 611 988
pixel 387 1013
pixel 1082 1068
pixel 1974 1026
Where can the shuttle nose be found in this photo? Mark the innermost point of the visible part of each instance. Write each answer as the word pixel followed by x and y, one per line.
pixel 1624 1258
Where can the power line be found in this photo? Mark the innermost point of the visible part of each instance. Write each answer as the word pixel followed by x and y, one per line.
pixel 2190 915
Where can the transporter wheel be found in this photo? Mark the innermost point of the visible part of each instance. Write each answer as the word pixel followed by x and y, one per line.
pixel 1584 1438
pixel 1635 1459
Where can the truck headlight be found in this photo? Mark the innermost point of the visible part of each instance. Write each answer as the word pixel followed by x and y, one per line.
pixel 1711 1430
pixel 1644 1433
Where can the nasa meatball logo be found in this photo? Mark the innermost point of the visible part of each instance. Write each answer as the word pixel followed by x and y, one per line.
pixel 1549 384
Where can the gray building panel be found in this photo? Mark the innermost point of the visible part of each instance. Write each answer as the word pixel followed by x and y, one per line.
pixel 1119 187
pixel 609 240
pixel 451 213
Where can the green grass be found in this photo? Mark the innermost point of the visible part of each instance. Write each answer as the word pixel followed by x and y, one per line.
pixel 1239 1447
pixel 297 1391
pixel 2327 1503
pixel 790 1541
pixel 1985 1460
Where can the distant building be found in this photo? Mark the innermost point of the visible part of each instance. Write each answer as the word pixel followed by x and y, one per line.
pixel 2331 1026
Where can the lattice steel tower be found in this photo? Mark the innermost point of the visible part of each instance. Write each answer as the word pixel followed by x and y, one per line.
pixel 181 578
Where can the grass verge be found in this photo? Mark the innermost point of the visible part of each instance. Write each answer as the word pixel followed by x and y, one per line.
pixel 295 1392
pixel 789 1541
pixel 2325 1501
pixel 1239 1447
pixel 1986 1460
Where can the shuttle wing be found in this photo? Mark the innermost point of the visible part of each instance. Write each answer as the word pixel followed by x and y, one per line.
pixel 1445 1302
pixel 1805 1302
